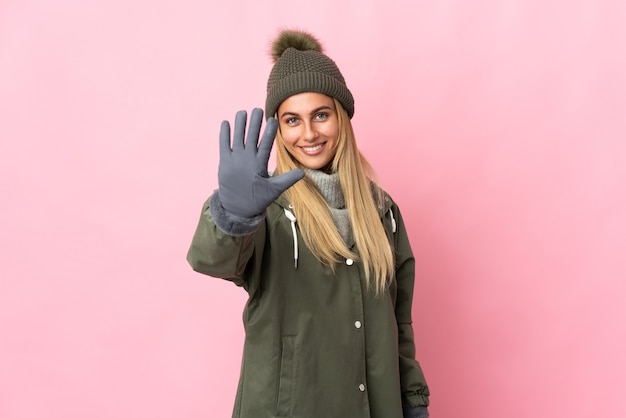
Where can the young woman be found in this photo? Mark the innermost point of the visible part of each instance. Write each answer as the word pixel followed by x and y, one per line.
pixel 320 249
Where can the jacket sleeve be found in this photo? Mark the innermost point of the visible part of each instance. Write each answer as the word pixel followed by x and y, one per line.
pixel 220 254
pixel 414 387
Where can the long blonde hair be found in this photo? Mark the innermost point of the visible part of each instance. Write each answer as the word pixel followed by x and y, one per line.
pixel 361 195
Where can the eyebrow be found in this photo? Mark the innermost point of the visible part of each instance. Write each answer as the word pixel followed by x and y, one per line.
pixel 314 111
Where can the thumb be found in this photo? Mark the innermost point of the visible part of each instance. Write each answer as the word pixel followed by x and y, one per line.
pixel 286 180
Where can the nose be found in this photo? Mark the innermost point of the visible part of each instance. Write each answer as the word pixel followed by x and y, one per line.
pixel 310 133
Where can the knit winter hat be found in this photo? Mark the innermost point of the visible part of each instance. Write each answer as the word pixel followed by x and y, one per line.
pixel 300 65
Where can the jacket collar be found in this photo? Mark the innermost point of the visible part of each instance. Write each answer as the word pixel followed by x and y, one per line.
pixel 383 206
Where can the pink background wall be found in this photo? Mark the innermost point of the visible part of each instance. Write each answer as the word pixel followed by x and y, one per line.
pixel 498 126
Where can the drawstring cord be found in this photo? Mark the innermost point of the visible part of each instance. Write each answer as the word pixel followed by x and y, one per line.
pixel 292 219
pixel 393 222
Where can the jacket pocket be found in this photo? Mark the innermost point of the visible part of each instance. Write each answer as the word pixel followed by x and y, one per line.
pixel 286 377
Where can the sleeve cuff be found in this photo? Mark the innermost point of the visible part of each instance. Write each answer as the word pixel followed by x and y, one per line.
pixel 414 411
pixel 232 224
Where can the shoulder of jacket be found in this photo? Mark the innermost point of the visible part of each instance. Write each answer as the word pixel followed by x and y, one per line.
pixel 382 199
pixel 282 202
pixel 276 209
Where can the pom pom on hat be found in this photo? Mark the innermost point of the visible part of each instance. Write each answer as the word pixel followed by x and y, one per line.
pixel 300 66
pixel 300 40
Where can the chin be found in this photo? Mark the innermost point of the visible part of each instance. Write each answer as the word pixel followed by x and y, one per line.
pixel 317 166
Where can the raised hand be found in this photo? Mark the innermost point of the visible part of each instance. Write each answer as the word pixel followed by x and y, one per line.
pixel 245 187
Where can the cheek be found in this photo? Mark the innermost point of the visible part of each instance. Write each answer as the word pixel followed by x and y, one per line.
pixel 291 141
pixel 288 136
pixel 332 132
pixel 288 141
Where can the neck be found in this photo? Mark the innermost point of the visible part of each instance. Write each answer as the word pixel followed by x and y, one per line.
pixel 329 186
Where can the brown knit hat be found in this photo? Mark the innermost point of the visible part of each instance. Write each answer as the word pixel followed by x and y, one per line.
pixel 300 65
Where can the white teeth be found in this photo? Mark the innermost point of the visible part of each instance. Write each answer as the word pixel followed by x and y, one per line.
pixel 312 149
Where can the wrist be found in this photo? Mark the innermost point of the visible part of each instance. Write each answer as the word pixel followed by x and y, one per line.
pixel 230 223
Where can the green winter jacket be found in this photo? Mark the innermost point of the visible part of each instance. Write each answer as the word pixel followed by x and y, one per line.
pixel 318 344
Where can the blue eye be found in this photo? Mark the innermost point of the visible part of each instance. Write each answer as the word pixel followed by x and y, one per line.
pixel 321 116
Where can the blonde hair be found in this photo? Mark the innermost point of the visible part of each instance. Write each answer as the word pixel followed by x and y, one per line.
pixel 361 195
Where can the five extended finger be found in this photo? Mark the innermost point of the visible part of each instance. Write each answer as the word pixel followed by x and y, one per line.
pixel 286 180
pixel 240 129
pixel 267 141
pixel 254 129
pixel 225 140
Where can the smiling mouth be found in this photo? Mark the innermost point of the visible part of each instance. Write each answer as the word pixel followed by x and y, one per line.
pixel 313 149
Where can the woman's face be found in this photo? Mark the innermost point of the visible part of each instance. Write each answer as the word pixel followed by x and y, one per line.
pixel 309 126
